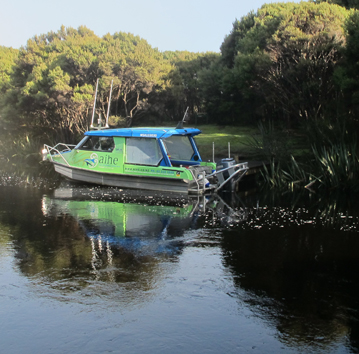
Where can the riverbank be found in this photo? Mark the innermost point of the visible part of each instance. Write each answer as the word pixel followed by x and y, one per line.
pixel 239 138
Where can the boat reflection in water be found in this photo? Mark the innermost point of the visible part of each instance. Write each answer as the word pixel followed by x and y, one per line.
pixel 126 227
pixel 136 271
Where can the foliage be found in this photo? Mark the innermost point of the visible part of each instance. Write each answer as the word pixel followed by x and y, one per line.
pixel 277 63
pixel 137 69
pixel 338 166
pixel 286 59
pixel 347 74
pixel 288 177
pixel 349 4
pixel 327 132
pixel 7 62
pixel 269 143
pixel 333 167
pixel 23 152
pixel 184 86
pixel 52 86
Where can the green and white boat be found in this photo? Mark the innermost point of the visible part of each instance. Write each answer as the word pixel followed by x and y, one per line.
pixel 161 159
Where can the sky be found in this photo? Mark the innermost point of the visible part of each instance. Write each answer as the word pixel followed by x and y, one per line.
pixel 193 25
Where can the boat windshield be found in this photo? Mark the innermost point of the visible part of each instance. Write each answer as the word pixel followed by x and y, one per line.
pixel 100 143
pixel 179 147
pixel 143 151
pixel 81 142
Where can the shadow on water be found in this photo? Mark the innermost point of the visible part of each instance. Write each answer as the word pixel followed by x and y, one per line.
pixel 295 263
pixel 293 258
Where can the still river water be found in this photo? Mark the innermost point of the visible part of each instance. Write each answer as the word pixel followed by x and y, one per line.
pixel 100 270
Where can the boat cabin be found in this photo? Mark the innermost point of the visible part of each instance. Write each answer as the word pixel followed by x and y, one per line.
pixel 149 146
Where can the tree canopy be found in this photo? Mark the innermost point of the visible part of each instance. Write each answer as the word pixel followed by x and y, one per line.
pixel 7 62
pixel 290 62
pixel 349 4
pixel 280 61
pixel 53 83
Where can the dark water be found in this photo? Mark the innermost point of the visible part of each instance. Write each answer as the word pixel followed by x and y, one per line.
pixel 91 270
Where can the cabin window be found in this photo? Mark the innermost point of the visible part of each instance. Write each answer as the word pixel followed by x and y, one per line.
pixel 179 147
pixel 98 143
pixel 143 151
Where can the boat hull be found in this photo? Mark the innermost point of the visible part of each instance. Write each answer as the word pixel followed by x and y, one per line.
pixel 122 180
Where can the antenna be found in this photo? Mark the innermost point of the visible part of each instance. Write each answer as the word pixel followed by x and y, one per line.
pixel 180 124
pixel 213 151
pixel 109 104
pixel 94 106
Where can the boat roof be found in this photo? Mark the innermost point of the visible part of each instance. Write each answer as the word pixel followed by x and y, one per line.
pixel 144 132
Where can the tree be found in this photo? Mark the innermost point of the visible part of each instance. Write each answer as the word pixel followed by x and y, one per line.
pixel 303 54
pixel 53 83
pixel 136 70
pixel 348 4
pixel 283 59
pixel 184 88
pixel 8 57
pixel 347 73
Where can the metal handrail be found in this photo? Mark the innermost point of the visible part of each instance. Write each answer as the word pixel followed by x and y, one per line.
pixel 241 166
pixel 50 149
pixel 195 179
pixel 244 170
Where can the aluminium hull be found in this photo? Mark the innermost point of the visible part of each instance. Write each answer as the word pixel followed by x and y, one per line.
pixel 122 180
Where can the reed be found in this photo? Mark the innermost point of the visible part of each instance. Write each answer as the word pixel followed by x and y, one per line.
pixel 338 165
pixel 332 167
pixel 21 159
pixel 23 151
pixel 291 175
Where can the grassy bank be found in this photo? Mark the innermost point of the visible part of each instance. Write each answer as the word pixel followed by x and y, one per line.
pixel 251 143
pixel 295 159
pixel 238 137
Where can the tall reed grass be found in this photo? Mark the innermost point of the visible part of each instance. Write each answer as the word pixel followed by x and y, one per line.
pixel 329 164
pixel 289 176
pixel 338 165
pixel 331 167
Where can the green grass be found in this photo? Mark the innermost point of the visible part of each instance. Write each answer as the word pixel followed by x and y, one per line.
pixel 246 142
pixel 238 138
